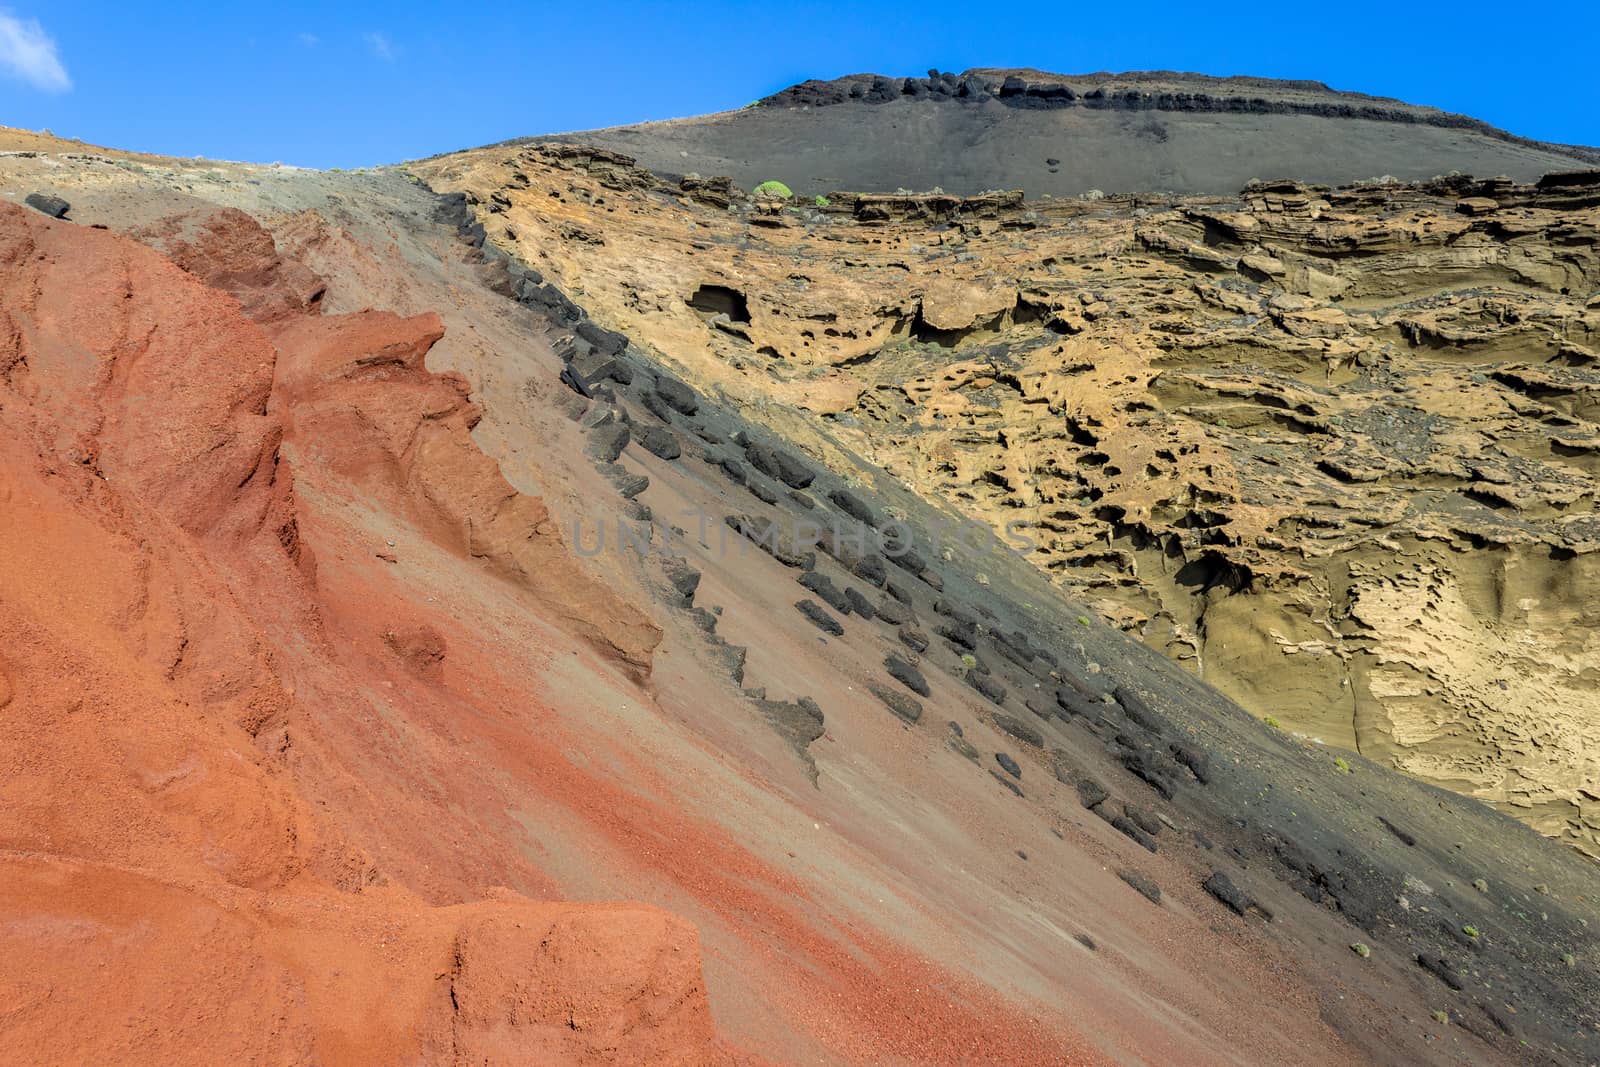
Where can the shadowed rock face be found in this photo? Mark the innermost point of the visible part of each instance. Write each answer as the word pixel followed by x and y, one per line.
pixel 1334 450
pixel 1063 135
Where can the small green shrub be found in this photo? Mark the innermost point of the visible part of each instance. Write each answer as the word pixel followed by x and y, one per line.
pixel 774 188
pixel 1083 620
pixel 1471 931
pixel 1361 950
pixel 1273 722
pixel 822 201
pixel 1341 765
pixel 969 661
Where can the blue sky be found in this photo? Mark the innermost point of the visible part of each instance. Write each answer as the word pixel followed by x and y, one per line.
pixel 354 84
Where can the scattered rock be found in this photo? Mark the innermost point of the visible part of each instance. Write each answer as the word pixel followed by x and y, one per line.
pixel 1091 793
pixel 1221 886
pixel 1142 883
pixel 1129 828
pixel 683 577
pixel 985 684
pixel 906 674
pixel 1009 764
pixel 908 708
pixel 819 617
pixel 1019 730
pixel 853 506
pixel 659 441
pixel 892 612
pixel 53 206
pixel 914 639
pixel 607 442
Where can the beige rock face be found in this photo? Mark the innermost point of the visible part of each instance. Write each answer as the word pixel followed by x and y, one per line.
pixel 1335 450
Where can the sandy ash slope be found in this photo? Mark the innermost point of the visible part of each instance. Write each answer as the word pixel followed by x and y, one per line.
pixel 313 652
pixel 1063 135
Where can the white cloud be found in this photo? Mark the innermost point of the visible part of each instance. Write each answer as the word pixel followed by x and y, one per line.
pixel 28 54
pixel 381 46
pixel 310 40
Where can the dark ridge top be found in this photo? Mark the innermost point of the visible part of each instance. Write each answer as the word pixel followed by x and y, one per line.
pixel 1158 90
pixel 1075 135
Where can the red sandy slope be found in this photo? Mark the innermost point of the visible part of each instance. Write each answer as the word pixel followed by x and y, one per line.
pixel 168 893
pixel 271 630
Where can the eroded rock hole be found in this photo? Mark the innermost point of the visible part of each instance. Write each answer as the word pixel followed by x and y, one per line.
pixel 720 300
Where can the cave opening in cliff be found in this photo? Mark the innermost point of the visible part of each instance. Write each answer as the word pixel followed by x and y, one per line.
pixel 716 300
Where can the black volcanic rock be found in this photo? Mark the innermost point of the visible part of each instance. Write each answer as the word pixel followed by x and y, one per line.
pixel 53 206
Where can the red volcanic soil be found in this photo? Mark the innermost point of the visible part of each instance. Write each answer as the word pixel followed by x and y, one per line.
pixel 171 891
pixel 276 643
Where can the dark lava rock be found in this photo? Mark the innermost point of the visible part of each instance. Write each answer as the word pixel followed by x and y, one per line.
pixel 678 397
pixel 859 603
pixel 800 721
pixel 1440 968
pixel 1154 768
pixel 733 470
pixel 871 569
pixel 684 578
pixel 823 586
pixel 1139 711
pixel 820 618
pixel 660 441
pixel 656 407
pixel 914 639
pixel 607 442
pixel 1019 730
pixel 964 635
pixel 1009 764
pixel 628 484
pixel 908 560
pixel 776 463
pixel 853 506
pixel 899 592
pixel 1238 901
pixel 908 708
pixel 1040 707
pixel 607 341
pixel 53 206
pixel 986 685
pixel 1086 941
pixel 1143 884
pixel 1127 826
pixel 1091 793
pixel 892 611
pixel 1143 819
pixel 906 674
pixel 1194 758
pixel 762 491
pixel 1075 703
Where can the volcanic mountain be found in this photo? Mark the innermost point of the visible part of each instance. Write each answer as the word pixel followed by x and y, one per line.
pixel 1064 135
pixel 526 606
